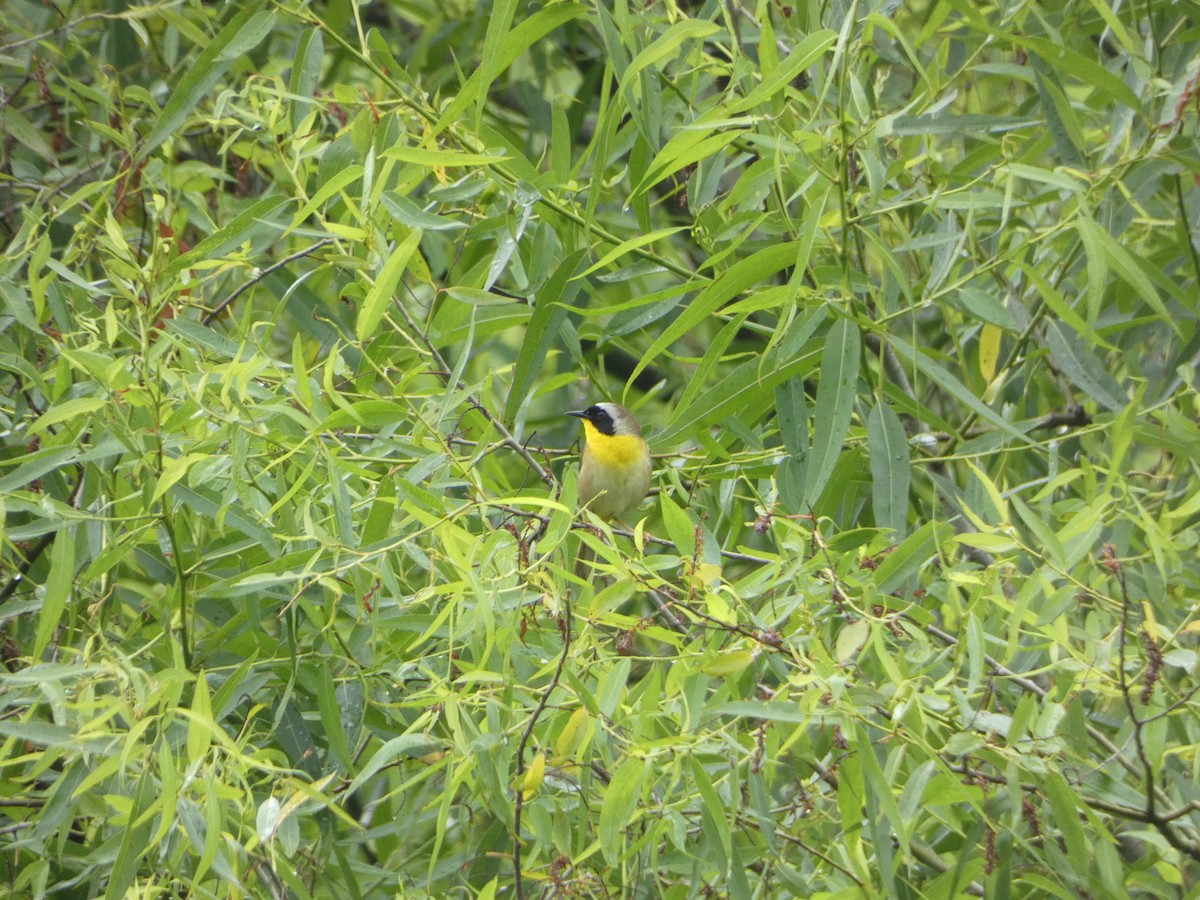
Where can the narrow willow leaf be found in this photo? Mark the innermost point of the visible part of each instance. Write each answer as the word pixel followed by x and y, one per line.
pixel 1129 268
pixel 791 408
pixel 406 745
pixel 746 394
pixel 491 64
pixel 514 43
pixel 1090 73
pixel 891 469
pixel 1071 355
pixel 200 722
pixel 57 590
pixel 987 307
pixel 383 510
pixel 679 527
pixel 914 552
pixel 123 869
pixel 331 718
pixel 306 72
pixel 620 800
pixel 543 330
pixel 666 47
pixel 879 790
pixel 835 403
pixel 807 52
pixel 337 182
pixel 207 502
pixel 173 470
pixel 1066 820
pixel 410 214
pixel 1046 541
pixel 989 351
pixel 66 412
pixel 685 149
pixel 421 156
pixel 23 131
pixel 737 278
pixel 243 33
pixel 851 639
pixel 243 226
pixel 945 380
pixel 715 821
pixel 267 819
pixel 966 124
pixel 629 245
pixel 380 294
pixel 1060 118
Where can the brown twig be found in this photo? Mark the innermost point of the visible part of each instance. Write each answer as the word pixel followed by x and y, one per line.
pixel 241 289
pixel 518 888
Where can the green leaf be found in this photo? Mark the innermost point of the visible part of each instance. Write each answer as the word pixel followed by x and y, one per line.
pixel 684 149
pixel 1063 59
pixel 380 295
pixel 1129 268
pixel 408 213
pixel 1087 373
pixel 804 55
pixel 1060 117
pixel 67 411
pixel 679 527
pixel 851 639
pixel 914 552
pixel 511 45
pixel 339 181
pixel 945 380
pixel 173 471
pixel 665 47
pixel 737 278
pixel 543 331
pixel 57 590
pixel 244 225
pixel 964 124
pixel 243 33
pixel 200 723
pixel 331 718
pixel 306 72
pixel 891 468
pixel 620 800
pixel 402 747
pixel 835 403
pixel 14 124
pixel 713 817
pixel 746 394
pixel 1066 820
pixel 626 246
pixel 791 407
pixel 422 156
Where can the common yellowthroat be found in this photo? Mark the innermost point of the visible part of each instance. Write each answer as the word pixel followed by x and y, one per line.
pixel 615 473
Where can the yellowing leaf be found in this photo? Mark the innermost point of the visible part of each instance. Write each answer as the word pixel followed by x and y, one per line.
pixel 568 738
pixel 731 662
pixel 851 639
pixel 534 776
pixel 989 351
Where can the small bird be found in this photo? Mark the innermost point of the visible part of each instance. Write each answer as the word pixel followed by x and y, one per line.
pixel 615 473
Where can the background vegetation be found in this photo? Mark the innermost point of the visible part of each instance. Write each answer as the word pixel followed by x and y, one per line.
pixel 294 298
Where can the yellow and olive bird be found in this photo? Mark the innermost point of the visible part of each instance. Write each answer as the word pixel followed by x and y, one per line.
pixel 615 473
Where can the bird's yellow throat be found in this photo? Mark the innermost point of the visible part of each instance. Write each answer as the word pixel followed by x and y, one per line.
pixel 613 449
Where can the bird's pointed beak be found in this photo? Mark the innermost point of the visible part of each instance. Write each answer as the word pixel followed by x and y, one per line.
pixel 578 415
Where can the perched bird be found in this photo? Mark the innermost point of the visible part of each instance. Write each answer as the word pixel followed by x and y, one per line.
pixel 615 473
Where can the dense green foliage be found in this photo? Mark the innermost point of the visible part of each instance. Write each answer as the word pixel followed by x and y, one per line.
pixel 293 298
